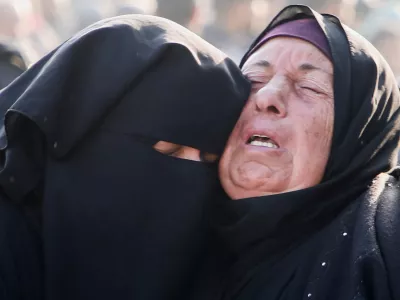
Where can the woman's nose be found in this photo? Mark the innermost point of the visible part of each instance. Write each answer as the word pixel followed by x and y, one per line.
pixel 271 99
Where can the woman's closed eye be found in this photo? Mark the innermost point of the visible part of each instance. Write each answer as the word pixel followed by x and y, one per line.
pixel 315 87
pixel 257 85
pixel 184 152
pixel 312 89
pixel 257 82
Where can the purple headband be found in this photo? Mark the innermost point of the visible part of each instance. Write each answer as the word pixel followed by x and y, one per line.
pixel 305 29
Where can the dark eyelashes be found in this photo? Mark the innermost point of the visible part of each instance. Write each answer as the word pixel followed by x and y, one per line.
pixel 208 157
pixel 252 81
pixel 202 156
pixel 311 90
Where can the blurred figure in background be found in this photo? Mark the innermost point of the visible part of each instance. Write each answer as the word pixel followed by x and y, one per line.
pixel 12 64
pixel 9 20
pixel 381 26
pixel 344 9
pixel 26 30
pixel 87 17
pixel 85 12
pixel 183 12
pixel 48 9
pixel 231 29
pixel 35 26
pixel 387 40
pixel 126 9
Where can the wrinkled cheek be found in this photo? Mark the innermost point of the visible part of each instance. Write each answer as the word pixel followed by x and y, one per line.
pixel 233 147
pixel 325 135
pixel 233 142
pixel 316 147
pixel 321 130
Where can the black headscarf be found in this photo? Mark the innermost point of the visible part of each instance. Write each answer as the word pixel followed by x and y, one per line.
pixel 276 241
pixel 120 220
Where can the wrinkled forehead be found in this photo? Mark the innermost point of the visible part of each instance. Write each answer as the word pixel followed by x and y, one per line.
pixel 288 54
pixel 184 101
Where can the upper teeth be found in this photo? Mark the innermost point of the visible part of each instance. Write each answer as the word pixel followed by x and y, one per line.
pixel 263 144
pixel 262 141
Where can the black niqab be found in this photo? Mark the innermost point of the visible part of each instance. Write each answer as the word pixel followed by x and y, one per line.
pixel 336 240
pixel 21 266
pixel 119 219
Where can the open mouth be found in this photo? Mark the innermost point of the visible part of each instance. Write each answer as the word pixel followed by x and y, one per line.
pixel 262 141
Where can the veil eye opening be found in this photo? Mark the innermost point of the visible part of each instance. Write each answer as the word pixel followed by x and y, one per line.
pixel 184 152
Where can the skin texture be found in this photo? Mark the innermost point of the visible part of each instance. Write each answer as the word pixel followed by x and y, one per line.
pixel 292 103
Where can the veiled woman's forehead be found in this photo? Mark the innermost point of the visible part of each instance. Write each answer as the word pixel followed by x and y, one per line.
pixel 281 51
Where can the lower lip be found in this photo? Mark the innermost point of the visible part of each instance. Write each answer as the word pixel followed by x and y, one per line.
pixel 263 149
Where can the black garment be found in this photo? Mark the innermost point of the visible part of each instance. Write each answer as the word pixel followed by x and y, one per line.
pixel 341 238
pixel 21 266
pixel 121 220
pixel 8 73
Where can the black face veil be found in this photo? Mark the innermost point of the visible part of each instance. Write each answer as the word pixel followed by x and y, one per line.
pixel 365 144
pixel 120 220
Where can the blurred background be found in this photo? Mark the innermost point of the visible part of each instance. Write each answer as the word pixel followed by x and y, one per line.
pixel 35 27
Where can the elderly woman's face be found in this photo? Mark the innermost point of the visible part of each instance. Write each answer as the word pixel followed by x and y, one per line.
pixel 282 139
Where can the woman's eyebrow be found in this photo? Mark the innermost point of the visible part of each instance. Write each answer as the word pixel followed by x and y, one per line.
pixel 261 63
pixel 311 67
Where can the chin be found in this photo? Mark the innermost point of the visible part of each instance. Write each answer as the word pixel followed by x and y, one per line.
pixel 247 179
pixel 250 188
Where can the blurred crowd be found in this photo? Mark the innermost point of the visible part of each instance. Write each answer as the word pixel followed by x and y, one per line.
pixel 37 26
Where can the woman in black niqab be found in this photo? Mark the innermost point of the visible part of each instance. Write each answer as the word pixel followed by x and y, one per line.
pixel 339 239
pixel 118 219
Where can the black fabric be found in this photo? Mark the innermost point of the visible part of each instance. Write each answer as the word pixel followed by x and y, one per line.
pixel 339 239
pixel 21 266
pixel 119 219
pixel 8 73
